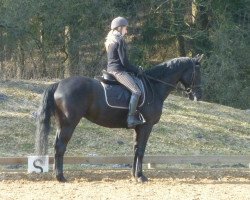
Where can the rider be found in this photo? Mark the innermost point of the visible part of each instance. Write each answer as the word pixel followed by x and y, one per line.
pixel 119 66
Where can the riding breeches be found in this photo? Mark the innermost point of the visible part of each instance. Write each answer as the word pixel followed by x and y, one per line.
pixel 125 79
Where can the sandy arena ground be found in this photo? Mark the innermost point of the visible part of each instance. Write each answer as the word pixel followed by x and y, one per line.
pixel 117 184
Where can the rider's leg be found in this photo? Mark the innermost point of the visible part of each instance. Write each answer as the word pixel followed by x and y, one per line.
pixel 133 120
pixel 125 79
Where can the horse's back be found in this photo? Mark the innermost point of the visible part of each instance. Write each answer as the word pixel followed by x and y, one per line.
pixel 75 94
pixel 76 86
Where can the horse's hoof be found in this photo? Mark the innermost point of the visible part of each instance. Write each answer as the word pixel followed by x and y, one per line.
pixel 61 179
pixel 142 179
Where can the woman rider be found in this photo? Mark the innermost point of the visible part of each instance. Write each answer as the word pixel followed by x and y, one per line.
pixel 119 66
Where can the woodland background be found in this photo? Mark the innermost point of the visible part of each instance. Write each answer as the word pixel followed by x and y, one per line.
pixel 60 38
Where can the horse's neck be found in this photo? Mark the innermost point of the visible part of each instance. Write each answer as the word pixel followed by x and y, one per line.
pixel 167 83
pixel 164 89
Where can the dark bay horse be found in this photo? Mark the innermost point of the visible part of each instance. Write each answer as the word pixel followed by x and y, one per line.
pixel 74 98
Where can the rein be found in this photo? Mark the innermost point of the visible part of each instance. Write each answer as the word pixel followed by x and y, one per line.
pixel 187 90
pixel 147 77
pixel 165 83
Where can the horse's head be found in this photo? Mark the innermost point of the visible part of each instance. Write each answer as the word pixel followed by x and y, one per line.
pixel 191 79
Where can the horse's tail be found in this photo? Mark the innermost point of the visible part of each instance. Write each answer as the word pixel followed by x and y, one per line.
pixel 46 109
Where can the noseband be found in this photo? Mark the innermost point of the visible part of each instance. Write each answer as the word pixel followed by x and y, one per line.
pixel 193 86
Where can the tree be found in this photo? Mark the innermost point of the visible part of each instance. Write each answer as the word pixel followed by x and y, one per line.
pixel 62 38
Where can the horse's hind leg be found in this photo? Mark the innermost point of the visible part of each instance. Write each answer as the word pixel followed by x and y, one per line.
pixel 63 136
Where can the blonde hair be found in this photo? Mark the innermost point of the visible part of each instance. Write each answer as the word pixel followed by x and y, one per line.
pixel 112 37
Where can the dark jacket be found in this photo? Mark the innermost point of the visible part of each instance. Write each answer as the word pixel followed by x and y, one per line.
pixel 117 57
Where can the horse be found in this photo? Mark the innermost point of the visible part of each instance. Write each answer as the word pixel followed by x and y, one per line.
pixel 76 97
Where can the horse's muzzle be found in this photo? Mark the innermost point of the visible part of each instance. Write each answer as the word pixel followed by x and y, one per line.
pixel 195 94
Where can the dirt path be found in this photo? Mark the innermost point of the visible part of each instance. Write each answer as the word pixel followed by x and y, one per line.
pixel 117 184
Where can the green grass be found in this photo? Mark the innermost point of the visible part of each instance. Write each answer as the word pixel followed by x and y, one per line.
pixel 185 128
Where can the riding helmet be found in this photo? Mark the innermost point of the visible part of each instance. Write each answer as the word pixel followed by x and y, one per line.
pixel 119 21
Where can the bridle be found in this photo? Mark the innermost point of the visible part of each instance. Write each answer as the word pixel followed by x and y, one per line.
pixel 193 86
pixel 187 90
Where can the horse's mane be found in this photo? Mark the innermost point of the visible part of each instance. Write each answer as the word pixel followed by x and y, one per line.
pixel 169 66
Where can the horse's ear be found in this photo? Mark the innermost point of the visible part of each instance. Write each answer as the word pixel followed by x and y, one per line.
pixel 198 58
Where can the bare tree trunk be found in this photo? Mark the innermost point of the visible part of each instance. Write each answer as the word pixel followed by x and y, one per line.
pixel 200 15
pixel 183 14
pixel 72 50
pixel 201 22
pixel 43 72
pixel 189 12
pixel 181 45
pixel 21 61
pixel 2 57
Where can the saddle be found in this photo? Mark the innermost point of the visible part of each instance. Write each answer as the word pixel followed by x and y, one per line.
pixel 117 95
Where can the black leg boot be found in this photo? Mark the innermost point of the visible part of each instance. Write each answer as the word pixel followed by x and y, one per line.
pixel 133 119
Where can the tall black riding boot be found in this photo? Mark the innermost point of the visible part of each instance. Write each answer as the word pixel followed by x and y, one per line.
pixel 133 119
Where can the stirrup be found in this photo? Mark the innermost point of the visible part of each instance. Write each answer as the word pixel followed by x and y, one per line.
pixel 142 118
pixel 138 120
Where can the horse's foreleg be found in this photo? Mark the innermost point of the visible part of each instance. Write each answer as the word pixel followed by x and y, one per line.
pixel 142 135
pixel 135 154
pixel 62 138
